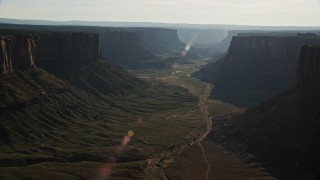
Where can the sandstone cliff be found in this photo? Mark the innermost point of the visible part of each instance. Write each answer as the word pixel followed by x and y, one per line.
pixel 283 133
pixel 5 63
pixel 255 68
pixel 25 51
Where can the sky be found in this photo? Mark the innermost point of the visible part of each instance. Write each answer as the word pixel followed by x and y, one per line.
pixel 242 12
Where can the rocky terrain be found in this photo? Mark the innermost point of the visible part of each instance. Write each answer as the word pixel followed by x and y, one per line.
pixel 283 132
pixel 255 68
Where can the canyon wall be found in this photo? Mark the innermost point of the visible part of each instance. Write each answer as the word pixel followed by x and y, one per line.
pixel 256 67
pixel 16 52
pixel 202 36
pixel 123 48
pixel 67 47
pixel 25 51
pixel 283 133
pixel 127 47
pixel 134 47
pixel 160 40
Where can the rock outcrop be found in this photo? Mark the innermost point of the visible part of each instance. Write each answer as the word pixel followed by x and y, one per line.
pixel 5 63
pixel 25 51
pixel 255 68
pixel 283 133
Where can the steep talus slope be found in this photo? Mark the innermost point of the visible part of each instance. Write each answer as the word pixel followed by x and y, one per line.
pixel 283 132
pixel 54 76
pixel 255 68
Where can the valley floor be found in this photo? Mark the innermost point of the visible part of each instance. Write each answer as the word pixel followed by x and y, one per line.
pixel 204 159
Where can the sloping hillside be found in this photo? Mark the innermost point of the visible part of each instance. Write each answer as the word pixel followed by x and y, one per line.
pixel 65 112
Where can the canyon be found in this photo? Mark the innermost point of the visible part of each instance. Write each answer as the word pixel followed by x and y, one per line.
pixel 70 110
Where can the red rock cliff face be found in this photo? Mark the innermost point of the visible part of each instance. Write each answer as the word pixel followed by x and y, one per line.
pixel 5 64
pixel 16 52
pixel 23 52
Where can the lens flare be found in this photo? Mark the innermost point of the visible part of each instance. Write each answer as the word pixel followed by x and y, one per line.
pixel 126 140
pixel 130 133
pixel 106 169
pixel 188 47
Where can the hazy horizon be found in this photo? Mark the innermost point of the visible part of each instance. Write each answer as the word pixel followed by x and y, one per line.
pixel 227 12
